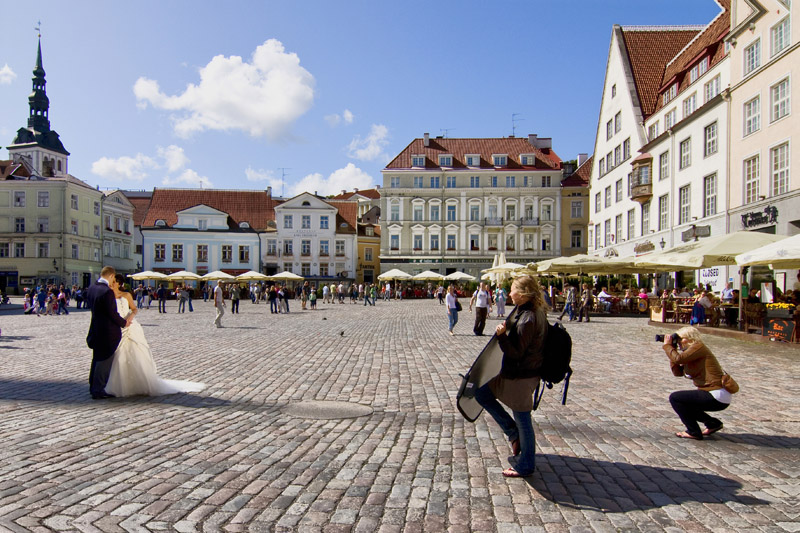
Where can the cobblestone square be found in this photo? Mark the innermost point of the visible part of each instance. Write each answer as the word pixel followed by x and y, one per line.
pixel 240 457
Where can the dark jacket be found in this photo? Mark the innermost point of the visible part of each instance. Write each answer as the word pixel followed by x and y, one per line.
pixel 105 329
pixel 522 343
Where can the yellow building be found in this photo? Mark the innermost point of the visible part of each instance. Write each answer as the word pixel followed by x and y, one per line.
pixel 369 247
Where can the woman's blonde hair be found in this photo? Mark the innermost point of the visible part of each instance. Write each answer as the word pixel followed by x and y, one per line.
pixel 528 287
pixel 689 333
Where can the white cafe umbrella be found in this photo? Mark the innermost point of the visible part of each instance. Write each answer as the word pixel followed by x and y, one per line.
pixel 504 268
pixel 183 275
pixel 286 276
pixel 147 274
pixel 252 276
pixel 783 254
pixel 428 275
pixel 394 274
pixel 459 276
pixel 218 275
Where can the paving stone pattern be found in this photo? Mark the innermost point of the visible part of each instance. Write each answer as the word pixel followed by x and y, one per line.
pixel 230 459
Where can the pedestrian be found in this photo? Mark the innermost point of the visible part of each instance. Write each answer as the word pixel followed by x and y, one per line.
pixel 520 337
pixel 500 300
pixel 304 294
pixel 453 307
pixel 483 306
pixel 273 300
pixel 162 298
pixel 569 304
pixel 62 301
pixel 326 293
pixel 219 303
pixel 387 292
pixel 182 296
pixel 312 297
pixel 690 357
pixel 206 289
pixel 235 296
pixel 587 301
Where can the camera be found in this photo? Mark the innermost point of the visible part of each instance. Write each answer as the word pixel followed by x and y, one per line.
pixel 674 337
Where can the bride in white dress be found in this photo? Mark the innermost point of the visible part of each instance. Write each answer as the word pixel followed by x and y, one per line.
pixel 133 371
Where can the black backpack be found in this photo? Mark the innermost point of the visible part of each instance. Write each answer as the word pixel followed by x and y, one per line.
pixel 557 353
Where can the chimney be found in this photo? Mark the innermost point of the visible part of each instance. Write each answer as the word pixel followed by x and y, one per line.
pixel 544 143
pixel 582 159
pixel 355 189
pixel 426 139
pixel 344 191
pixel 532 138
pixel 377 186
pixel 269 191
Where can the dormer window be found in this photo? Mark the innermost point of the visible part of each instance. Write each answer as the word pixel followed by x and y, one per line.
pixel 670 93
pixel 445 160
pixel 160 223
pixel 500 160
pixel 698 70
pixel 417 160
pixel 528 160
pixel 473 160
pixel 370 231
pixel 244 225
pixel 202 224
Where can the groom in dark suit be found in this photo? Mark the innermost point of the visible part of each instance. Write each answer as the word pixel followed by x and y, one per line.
pixel 105 330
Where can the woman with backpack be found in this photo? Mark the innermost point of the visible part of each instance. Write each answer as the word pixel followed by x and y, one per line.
pixel 521 337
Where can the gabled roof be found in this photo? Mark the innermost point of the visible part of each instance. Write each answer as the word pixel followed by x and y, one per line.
pixel 650 49
pixel 10 169
pixel 254 207
pixel 372 194
pixel 546 159
pixel 580 178
pixel 141 203
pixel 348 212
pixel 362 230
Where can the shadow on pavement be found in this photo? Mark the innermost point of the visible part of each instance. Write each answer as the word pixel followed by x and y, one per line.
pixel 615 487
pixel 765 441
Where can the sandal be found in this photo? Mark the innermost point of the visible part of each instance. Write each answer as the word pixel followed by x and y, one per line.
pixel 684 435
pixel 709 431
pixel 510 472
pixel 515 447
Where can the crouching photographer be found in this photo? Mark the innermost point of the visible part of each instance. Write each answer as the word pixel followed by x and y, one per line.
pixel 690 358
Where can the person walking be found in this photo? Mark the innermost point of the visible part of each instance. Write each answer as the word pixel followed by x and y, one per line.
pixel 62 301
pixel 500 301
pixel 587 300
pixel 273 300
pixel 182 296
pixel 235 297
pixel 483 306
pixel 219 303
pixel 569 304
pixel 312 297
pixel 521 337
pixel 694 359
pixel 451 300
pixel 162 298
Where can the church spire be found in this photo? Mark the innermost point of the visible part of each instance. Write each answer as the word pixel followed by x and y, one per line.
pixel 39 103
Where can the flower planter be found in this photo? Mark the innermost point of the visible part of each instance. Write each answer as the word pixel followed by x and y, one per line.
pixel 780 313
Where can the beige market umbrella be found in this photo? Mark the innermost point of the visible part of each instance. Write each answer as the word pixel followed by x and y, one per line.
pixel 252 276
pixel 428 275
pixel 286 276
pixel 459 276
pixel 783 254
pixel 503 268
pixel 218 275
pixel 147 274
pixel 394 274
pixel 183 275
pixel 709 252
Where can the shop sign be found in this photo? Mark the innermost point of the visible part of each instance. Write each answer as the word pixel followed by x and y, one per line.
pixel 644 247
pixel 611 252
pixel 694 232
pixel 768 216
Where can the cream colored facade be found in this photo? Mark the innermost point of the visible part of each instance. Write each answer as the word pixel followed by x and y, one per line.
pixel 118 245
pixel 49 232
pixel 764 144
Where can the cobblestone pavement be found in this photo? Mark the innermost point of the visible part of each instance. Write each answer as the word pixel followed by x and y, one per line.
pixel 231 458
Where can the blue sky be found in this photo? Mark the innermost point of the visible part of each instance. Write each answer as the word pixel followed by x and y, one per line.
pixel 223 94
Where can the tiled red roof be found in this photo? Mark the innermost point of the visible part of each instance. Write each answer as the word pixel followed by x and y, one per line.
pixel 348 211
pixel 9 168
pixel 708 42
pixel 141 203
pixel 372 194
pixel 546 159
pixel 581 176
pixel 254 207
pixel 649 50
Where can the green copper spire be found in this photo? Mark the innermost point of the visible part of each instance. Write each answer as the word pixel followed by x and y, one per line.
pixel 38 101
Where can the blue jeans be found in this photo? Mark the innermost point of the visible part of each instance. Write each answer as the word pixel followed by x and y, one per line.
pixel 568 309
pixel 181 306
pixel 453 317
pixel 520 427
pixel 62 306
pixel 273 305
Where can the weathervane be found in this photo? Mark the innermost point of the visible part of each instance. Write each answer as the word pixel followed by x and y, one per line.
pixel 38 28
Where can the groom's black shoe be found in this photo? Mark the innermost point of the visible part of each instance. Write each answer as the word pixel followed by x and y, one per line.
pixel 102 396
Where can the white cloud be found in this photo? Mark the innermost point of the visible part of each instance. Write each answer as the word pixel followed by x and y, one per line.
pixel 191 178
pixel 7 75
pixel 343 179
pixel 263 97
pixel 174 157
pixel 334 119
pixel 370 148
pixel 124 168
pixel 260 175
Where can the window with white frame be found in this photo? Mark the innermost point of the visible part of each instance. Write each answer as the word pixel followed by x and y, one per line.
pixel 591 235
pixel 608 196
pixel 434 182
pixel 339 247
pixel 684 201
pixel 779 100
pixel 712 88
pixel 473 160
pixel 529 160
pixel 474 241
pixel 608 234
pixel 272 247
pixel 76 251
pixel 511 212
pixel 19 249
pixel 779 37
pixel 669 94
pixel 73 224
pixel 601 166
pixel 159 252
pixel 417 242
pixel 652 131
pixel 435 212
pixel 288 247
pixel 546 181
pixel 576 238
pixel 305 269
pixel 418 213
pixel 618 228
pixel 698 70
pixel 629 184
pixel 686 153
pixel 474 181
pixel 451 182
pixel 631 224
pixel 367 254
pixel 324 248
pixel 618 122
pixel 474 212
pixel 44 249
pixel 597 236
pixel 417 160
pixel 394 182
pixel 576 210
pixel 752 116
pixel 418 180
pixel 617 156
pixel 751 173
pixel 597 200
pixel 492 181
pixel 445 160
pixel 609 161
pixel 663 212
pixel 434 242
pixel 43 199
pixel 689 105
pixel 547 212
pixel 19 198
pixel 547 243
pixel 177 253
pixel 511 181
pixel 244 253
pixel 394 212
pixel 19 224
pixel 305 247
pixel 500 160
pixel 44 224
pixel 752 57
pixel 323 222
pixel 305 222
pixel 669 119
pixel 202 252
pixel 527 241
pixel 613 90
pixel 451 242
pixel 609 129
pixel 710 195
pixel 73 200
pixel 626 148
pixel 324 269
pixel 451 213
pixel 618 190
pixel 663 166
pixel 779 163
pixel 710 137
pixel 97 232
pixel 287 221
pixel 645 218
pixel 394 242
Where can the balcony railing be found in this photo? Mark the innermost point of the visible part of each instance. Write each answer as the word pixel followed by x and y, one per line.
pixel 493 221
pixel 529 221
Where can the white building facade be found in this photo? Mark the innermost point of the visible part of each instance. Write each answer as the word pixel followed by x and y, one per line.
pixel 118 238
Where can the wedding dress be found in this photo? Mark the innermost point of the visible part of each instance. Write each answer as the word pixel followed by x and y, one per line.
pixel 133 371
